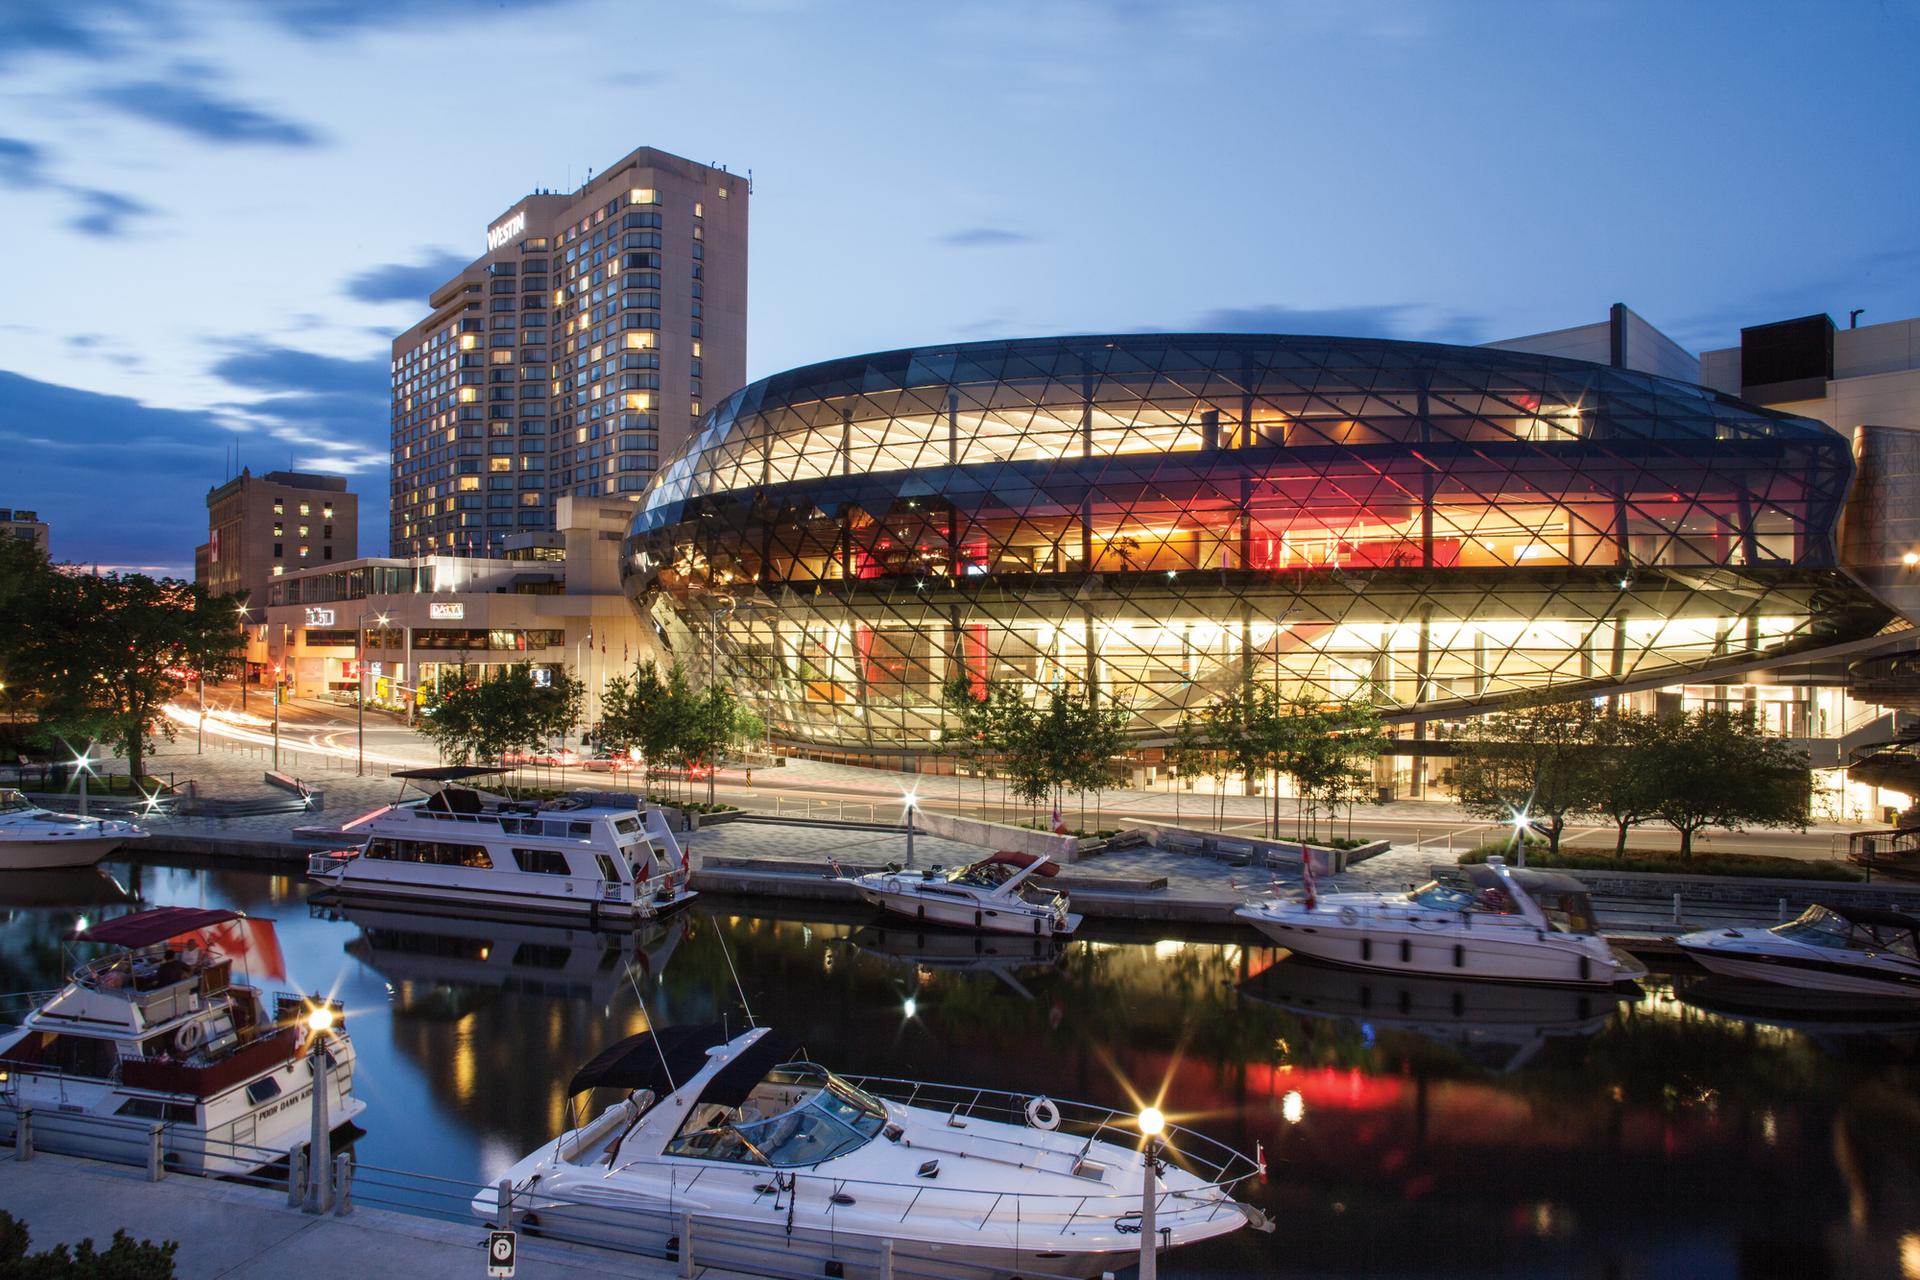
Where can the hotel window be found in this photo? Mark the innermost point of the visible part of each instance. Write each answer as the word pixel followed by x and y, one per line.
pixel 277 550
pixel 305 509
pixel 303 552
pixel 279 508
pixel 279 569
pixel 279 530
pixel 326 511
pixel 303 530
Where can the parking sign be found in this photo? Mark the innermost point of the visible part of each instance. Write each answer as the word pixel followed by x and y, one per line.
pixel 500 1253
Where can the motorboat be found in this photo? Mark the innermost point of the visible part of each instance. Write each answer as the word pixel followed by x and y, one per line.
pixel 596 855
pixel 158 1032
pixel 776 1163
pixel 995 895
pixel 1502 1026
pixel 1498 923
pixel 1854 950
pixel 36 839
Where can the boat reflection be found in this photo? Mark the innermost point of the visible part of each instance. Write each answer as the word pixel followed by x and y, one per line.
pixel 63 887
pixel 1004 956
pixel 1839 1023
pixel 427 958
pixel 1497 1026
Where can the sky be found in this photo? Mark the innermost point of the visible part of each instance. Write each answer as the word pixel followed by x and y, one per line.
pixel 219 214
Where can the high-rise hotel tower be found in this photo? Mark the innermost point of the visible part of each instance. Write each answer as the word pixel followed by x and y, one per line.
pixel 570 357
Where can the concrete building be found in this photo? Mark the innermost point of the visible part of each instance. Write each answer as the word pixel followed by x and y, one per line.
pixel 571 356
pixel 17 523
pixel 1624 340
pixel 551 601
pixel 260 527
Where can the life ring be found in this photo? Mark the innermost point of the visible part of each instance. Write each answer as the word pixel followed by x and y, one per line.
pixel 1042 1113
pixel 1348 916
pixel 188 1038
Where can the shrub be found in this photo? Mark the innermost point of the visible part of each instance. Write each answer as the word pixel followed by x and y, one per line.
pixel 1660 862
pixel 124 1259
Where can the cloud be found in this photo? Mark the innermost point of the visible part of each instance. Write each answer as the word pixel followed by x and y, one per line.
pixel 20 164
pixel 1391 320
pixel 203 115
pixel 405 282
pixel 105 213
pixel 332 412
pixel 983 238
pixel 346 17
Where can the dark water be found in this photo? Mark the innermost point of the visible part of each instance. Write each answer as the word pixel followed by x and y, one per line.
pixel 1412 1129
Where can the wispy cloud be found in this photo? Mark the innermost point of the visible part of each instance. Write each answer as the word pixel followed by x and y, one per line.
pixel 1388 320
pixel 404 281
pixel 983 238
pixel 105 214
pixel 200 114
pixel 20 164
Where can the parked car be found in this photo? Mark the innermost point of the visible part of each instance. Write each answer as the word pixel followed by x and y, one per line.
pixel 560 758
pixel 610 762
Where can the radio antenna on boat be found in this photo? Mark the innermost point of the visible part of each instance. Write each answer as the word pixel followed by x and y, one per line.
pixel 737 988
pixel 653 1033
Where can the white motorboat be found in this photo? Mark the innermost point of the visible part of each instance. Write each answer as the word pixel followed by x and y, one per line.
pixel 1502 923
pixel 160 1031
pixel 779 1164
pixel 996 895
pixel 590 854
pixel 1855 950
pixel 35 839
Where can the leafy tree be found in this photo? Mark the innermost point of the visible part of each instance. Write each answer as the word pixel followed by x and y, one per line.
pixel 1626 772
pixel 124 1259
pixel 1717 768
pixel 671 721
pixel 1536 762
pixel 1186 756
pixel 103 655
pixel 479 721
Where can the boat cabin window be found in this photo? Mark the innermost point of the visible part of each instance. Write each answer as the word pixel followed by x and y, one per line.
pixel 626 826
pixel 984 875
pixel 800 1114
pixel 434 852
pixel 69 1055
pixel 547 862
pixel 262 1089
pixel 1567 912
pixel 1817 927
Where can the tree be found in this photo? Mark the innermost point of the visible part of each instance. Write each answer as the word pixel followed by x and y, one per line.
pixel 1186 756
pixel 104 654
pixel 124 1259
pixel 670 721
pixel 1626 771
pixel 1716 768
pixel 1531 766
pixel 479 721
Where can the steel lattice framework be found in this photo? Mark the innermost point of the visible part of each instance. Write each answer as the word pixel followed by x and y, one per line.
pixel 1159 517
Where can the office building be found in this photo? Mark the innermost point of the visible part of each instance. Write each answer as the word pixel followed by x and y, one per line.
pixel 260 527
pixel 1155 518
pixel 27 525
pixel 551 601
pixel 571 356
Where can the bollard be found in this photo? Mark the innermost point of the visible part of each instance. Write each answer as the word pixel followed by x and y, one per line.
pixel 297 1177
pixel 1783 910
pixel 886 1259
pixel 23 1136
pixel 1676 908
pixel 156 1153
pixel 342 1184
pixel 503 1201
pixel 686 1244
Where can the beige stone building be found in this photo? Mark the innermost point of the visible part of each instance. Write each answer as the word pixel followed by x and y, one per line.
pixel 16 523
pixel 260 527
pixel 571 357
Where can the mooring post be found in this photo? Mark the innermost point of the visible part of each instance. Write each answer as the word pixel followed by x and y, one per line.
pixel 297 1177
pixel 156 1152
pixel 686 1245
pixel 23 1136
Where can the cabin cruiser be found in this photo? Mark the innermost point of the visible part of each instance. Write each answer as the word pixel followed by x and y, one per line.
pixel 995 895
pixel 1856 950
pixel 1502 924
pixel 159 1030
pixel 1500 1026
pixel 589 854
pixel 768 1156
pixel 33 838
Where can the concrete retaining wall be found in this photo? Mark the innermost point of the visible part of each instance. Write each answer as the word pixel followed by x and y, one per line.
pixel 997 836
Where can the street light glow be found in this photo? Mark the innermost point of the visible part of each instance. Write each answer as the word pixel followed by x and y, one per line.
pixel 1152 1123
pixel 320 1020
pixel 911 1008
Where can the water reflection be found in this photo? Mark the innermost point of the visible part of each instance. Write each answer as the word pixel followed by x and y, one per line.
pixel 1413 1128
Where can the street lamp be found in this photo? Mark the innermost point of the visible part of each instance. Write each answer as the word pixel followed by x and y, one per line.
pixel 245 664
pixel 1152 1125
pixel 319 1197
pixel 912 799
pixel 360 671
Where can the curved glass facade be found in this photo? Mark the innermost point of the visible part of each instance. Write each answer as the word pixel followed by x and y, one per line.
pixel 1161 516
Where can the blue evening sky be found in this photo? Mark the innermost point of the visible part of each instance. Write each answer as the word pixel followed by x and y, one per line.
pixel 219 213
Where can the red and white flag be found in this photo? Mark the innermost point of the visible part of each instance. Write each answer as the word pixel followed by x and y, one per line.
pixel 1059 823
pixel 1308 889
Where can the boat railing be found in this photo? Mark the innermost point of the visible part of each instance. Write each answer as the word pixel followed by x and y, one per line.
pixel 333 863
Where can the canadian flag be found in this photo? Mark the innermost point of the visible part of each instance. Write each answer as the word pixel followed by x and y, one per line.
pixel 1059 823
pixel 1307 888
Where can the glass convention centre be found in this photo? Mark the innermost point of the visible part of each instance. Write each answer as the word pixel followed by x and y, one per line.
pixel 1158 517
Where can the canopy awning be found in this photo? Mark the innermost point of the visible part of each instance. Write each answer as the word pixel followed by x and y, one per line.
pixel 146 928
pixel 679 1054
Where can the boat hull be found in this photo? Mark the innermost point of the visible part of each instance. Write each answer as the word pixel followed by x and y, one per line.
pixel 31 854
pixel 452 899
pixel 1807 975
pixel 1478 954
pixel 971 915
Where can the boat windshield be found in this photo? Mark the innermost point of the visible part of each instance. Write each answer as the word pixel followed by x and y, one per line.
pixel 800 1114
pixel 12 801
pixel 983 875
pixel 1442 897
pixel 1818 927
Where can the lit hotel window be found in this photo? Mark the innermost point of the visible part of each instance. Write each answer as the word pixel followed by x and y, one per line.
pixel 303 552
pixel 305 510
pixel 279 508
pixel 279 569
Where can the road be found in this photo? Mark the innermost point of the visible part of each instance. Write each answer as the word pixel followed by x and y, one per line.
pixel 871 794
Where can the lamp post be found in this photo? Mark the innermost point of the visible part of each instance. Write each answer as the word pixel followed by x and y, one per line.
pixel 912 799
pixel 245 663
pixel 360 683
pixel 319 1197
pixel 1152 1125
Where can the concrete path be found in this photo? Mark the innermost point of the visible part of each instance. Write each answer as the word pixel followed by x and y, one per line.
pixel 232 1232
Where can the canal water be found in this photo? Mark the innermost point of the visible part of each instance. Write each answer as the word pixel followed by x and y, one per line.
pixel 1412 1128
